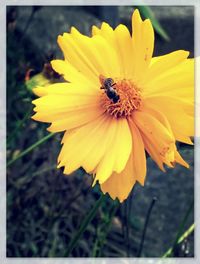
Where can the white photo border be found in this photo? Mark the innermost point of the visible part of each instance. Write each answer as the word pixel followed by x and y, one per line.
pixel 3 259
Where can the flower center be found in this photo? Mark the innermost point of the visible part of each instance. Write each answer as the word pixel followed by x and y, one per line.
pixel 120 97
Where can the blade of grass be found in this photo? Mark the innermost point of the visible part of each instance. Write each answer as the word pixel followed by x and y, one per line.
pixel 19 125
pixel 185 235
pixel 30 19
pixel 29 149
pixel 147 12
pixel 55 241
pixel 75 239
pixel 182 225
pixel 145 226
pixel 99 243
pixel 127 210
pixel 18 183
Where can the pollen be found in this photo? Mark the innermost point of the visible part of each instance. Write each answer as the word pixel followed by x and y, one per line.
pixel 129 99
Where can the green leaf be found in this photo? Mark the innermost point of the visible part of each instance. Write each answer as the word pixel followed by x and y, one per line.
pixel 180 236
pixel 187 233
pixel 147 12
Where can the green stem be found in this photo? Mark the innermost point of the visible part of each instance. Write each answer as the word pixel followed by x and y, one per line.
pixel 84 225
pixel 185 235
pixel 29 149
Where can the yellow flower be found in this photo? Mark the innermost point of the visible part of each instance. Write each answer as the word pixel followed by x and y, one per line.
pixel 118 101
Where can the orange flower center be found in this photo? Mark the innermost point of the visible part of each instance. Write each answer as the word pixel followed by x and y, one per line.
pixel 120 98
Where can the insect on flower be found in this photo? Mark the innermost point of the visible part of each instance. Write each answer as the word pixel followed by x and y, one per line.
pixel 109 86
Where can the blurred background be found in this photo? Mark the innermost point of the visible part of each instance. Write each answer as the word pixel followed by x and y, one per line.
pixel 44 207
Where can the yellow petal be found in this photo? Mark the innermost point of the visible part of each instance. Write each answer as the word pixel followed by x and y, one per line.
pixel 180 160
pixel 109 36
pixel 95 31
pixel 77 57
pixel 71 74
pixel 95 140
pixel 152 128
pixel 109 56
pixel 120 41
pixel 149 108
pixel 164 63
pixel 179 136
pixel 177 112
pixel 66 89
pixel 153 152
pixel 124 46
pixel 176 81
pixel 76 119
pixel 138 158
pixel 82 145
pixel 117 152
pixel 107 33
pixel 119 185
pixel 66 106
pixel 143 45
pixel 158 139
pixel 93 50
